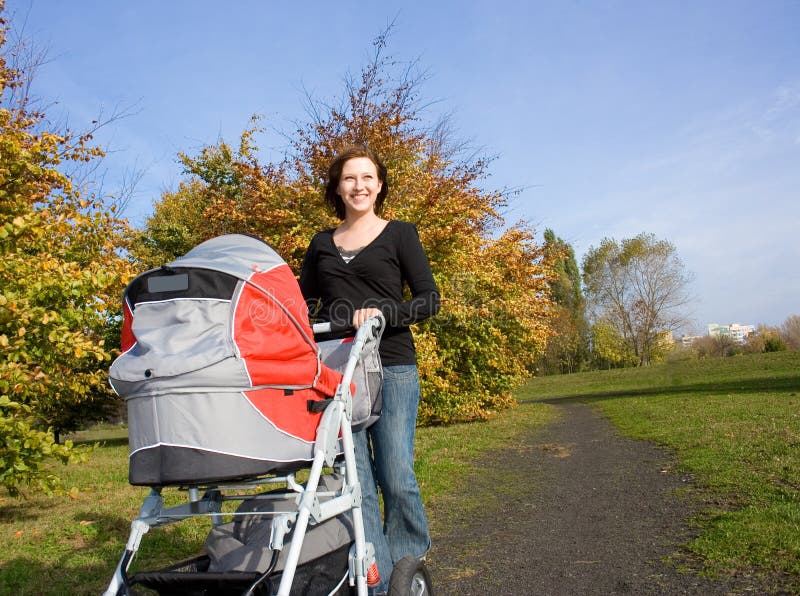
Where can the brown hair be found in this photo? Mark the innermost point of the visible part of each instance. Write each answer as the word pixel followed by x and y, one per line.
pixel 335 173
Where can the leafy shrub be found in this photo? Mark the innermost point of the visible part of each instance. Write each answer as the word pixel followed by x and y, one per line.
pixel 60 278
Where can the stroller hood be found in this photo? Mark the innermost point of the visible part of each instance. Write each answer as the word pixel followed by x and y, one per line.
pixel 218 366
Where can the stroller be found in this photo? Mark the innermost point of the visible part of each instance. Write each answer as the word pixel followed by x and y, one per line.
pixel 228 394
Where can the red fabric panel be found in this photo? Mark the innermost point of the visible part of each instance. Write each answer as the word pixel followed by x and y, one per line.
pixel 289 413
pixel 328 380
pixel 274 351
pixel 127 339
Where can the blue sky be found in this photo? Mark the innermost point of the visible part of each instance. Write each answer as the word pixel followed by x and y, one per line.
pixel 678 118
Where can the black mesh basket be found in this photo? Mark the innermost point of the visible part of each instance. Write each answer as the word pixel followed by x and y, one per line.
pixel 319 577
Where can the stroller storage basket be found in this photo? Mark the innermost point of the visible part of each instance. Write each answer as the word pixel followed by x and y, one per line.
pixel 238 553
pixel 326 576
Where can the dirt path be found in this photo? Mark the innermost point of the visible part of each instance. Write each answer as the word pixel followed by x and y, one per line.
pixel 573 509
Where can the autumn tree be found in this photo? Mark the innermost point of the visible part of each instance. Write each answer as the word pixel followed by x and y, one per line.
pixel 228 190
pixel 493 277
pixel 772 338
pixel 567 348
pixel 790 331
pixel 639 287
pixel 60 274
pixel 722 346
pixel 609 348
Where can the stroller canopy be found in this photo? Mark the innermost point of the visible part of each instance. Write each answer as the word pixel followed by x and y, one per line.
pixel 218 366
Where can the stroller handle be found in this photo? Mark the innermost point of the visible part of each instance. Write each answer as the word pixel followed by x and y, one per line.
pixel 374 324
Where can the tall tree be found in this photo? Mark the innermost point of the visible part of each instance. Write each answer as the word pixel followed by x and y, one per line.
pixel 493 278
pixel 640 288
pixel 60 278
pixel 567 348
pixel 773 338
pixel 790 330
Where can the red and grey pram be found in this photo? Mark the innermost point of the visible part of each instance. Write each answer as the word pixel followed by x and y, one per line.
pixel 227 391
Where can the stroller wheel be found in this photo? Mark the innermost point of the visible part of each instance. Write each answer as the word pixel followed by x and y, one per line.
pixel 410 577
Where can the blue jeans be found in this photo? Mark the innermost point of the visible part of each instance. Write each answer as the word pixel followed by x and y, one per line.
pixel 404 530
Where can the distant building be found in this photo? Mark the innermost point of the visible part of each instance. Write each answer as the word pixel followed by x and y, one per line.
pixel 736 332
pixel 688 340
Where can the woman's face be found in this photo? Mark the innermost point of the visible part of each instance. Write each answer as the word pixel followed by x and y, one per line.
pixel 359 185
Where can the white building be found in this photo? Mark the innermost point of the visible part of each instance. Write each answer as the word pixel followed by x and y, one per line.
pixel 736 332
pixel 688 340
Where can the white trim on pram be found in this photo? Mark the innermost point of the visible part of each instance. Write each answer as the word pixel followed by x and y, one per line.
pixel 179 299
pixel 237 294
pixel 339 585
pixel 211 389
pixel 219 452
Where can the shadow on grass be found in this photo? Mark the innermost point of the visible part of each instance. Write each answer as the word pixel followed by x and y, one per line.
pixel 102 527
pixel 35 506
pixel 19 574
pixel 114 442
pixel 789 385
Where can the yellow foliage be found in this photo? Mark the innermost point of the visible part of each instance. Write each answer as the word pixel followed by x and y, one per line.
pixel 58 266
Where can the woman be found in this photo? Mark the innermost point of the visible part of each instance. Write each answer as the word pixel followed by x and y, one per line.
pixel 351 273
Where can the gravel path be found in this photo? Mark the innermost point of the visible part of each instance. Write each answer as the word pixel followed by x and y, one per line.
pixel 573 509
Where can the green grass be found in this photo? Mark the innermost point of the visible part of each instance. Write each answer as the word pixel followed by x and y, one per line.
pixel 63 545
pixel 70 545
pixel 734 424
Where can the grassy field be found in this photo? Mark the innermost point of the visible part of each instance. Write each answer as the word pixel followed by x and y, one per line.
pixel 734 425
pixel 66 545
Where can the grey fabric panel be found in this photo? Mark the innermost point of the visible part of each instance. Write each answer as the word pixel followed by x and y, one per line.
pixel 221 422
pixel 230 374
pixel 243 544
pixel 368 377
pixel 175 337
pixel 235 254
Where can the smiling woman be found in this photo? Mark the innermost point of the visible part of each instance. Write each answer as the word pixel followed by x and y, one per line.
pixel 353 272
pixel 358 188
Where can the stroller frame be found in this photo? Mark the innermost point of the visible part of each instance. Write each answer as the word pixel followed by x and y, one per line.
pixel 334 426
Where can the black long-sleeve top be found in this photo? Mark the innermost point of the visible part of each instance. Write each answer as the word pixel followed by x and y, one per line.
pixel 374 278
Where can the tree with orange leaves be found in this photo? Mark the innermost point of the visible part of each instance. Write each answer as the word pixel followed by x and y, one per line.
pixel 493 278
